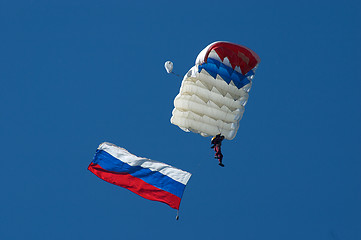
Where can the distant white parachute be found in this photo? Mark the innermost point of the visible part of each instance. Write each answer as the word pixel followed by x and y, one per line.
pixel 214 92
pixel 168 66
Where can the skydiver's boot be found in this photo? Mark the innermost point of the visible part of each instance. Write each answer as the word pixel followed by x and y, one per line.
pixel 221 164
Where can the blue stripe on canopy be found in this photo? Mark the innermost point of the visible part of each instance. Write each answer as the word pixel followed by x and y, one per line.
pixel 214 67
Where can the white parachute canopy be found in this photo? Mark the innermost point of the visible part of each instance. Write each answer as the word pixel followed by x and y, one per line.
pixel 214 92
pixel 168 66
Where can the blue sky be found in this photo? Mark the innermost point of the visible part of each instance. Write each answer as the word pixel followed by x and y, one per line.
pixel 77 73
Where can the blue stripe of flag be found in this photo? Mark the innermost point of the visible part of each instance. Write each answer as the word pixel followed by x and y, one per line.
pixel 157 179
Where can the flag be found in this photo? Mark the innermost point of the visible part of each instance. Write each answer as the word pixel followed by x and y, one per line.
pixel 150 179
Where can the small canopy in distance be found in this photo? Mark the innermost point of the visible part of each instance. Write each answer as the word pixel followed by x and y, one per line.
pixel 168 66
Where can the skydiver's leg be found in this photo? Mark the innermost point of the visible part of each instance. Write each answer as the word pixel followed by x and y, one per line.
pixel 216 148
pixel 220 158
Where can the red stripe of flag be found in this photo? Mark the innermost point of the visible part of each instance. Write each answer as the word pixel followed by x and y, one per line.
pixel 136 185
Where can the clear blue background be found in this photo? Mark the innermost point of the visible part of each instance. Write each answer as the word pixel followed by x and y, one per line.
pixel 76 73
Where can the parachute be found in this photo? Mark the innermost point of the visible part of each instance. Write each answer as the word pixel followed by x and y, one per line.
pixel 214 92
pixel 168 66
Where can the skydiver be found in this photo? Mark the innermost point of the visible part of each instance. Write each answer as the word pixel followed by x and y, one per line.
pixel 217 142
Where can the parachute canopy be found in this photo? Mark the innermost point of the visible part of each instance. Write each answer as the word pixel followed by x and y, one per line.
pixel 168 66
pixel 214 92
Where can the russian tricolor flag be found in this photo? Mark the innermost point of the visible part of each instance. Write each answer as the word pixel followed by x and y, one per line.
pixel 150 179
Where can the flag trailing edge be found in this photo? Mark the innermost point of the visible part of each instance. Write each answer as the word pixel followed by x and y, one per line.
pixel 150 179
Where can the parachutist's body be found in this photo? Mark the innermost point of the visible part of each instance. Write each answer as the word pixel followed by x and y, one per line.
pixel 217 142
